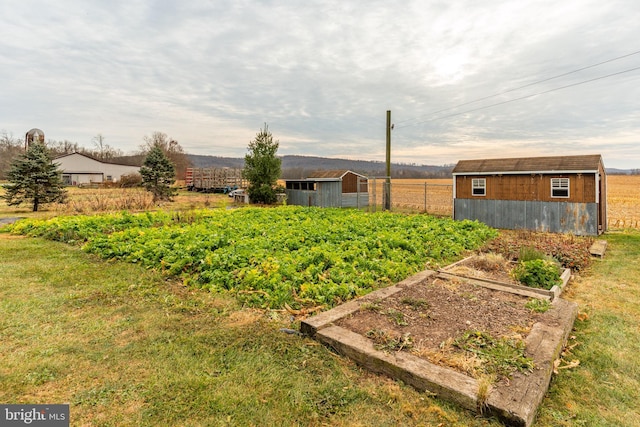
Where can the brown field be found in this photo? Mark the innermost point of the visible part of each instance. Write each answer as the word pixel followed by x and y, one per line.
pixel 623 199
pixel 422 195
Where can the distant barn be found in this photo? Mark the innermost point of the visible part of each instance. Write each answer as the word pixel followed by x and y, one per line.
pixel 565 194
pixel 332 188
pixel 80 169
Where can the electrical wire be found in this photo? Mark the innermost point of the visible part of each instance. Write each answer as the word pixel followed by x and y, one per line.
pixel 520 98
pixel 514 89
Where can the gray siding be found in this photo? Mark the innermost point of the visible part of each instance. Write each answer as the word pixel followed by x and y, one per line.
pixel 301 198
pixel 555 217
pixel 355 200
pixel 327 194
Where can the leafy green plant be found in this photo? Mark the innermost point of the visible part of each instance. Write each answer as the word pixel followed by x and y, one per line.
pixel 538 305
pixel 269 257
pixel 500 356
pixel 537 273
pixel 397 316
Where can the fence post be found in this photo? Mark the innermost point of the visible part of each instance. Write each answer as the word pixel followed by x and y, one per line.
pixel 425 197
pixel 375 196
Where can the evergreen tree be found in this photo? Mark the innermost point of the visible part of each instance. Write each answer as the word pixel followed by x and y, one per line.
pixel 34 179
pixel 171 148
pixel 262 168
pixel 158 174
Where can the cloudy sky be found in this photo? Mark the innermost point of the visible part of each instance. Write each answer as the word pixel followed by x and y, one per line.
pixel 463 78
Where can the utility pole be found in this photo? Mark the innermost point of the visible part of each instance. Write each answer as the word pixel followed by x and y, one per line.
pixel 387 187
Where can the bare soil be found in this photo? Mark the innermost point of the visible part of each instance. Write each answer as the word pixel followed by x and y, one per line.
pixel 442 309
pixel 438 311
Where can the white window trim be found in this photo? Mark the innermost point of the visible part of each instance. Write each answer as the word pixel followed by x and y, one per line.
pixel 479 184
pixel 561 184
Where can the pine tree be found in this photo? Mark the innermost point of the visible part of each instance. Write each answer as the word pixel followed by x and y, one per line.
pixel 34 179
pixel 262 168
pixel 158 174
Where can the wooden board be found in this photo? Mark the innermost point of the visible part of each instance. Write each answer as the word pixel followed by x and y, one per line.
pixel 598 248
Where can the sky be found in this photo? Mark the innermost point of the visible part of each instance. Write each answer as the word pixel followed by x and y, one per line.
pixel 463 79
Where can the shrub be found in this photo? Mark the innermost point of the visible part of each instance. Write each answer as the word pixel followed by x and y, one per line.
pixel 571 251
pixel 528 253
pixel 130 180
pixel 537 273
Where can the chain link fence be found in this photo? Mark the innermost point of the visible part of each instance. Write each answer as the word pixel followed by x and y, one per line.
pixel 433 196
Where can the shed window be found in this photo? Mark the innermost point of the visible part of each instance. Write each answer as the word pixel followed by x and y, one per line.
pixel 479 186
pixel 559 187
pixel 301 185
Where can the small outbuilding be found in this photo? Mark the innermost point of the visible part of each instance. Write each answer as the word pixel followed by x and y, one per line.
pixel 80 169
pixel 329 188
pixel 564 194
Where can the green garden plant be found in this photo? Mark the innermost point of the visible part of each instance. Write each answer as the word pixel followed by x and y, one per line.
pixel 269 257
pixel 537 273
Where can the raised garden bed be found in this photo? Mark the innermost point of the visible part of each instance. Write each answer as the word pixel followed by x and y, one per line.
pixel 406 331
pixel 500 279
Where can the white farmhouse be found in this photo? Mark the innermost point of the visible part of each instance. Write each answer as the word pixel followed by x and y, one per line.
pixel 80 169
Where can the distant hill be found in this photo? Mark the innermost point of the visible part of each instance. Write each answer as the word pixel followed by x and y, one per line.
pixel 614 171
pixel 294 167
pixel 301 166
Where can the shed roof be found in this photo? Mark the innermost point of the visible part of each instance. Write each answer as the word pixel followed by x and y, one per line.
pixel 583 163
pixel 89 157
pixel 336 174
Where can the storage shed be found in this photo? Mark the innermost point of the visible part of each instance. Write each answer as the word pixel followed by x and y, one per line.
pixel 329 188
pixel 564 194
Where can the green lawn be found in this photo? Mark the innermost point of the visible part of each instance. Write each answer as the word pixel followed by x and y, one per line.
pixel 125 347
pixel 605 389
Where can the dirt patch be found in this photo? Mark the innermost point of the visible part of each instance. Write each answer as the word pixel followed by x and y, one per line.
pixel 9 220
pixel 427 318
pixel 439 310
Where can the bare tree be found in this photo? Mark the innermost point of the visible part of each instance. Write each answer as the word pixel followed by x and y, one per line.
pixel 59 148
pixel 104 151
pixel 100 145
pixel 10 149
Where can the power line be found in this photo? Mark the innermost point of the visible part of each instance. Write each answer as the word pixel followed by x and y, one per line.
pixel 517 88
pixel 522 97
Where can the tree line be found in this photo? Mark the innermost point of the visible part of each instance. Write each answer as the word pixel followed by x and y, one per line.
pixel 11 148
pixel 35 178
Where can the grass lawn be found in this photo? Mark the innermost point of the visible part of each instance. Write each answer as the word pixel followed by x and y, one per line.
pixel 604 390
pixel 123 346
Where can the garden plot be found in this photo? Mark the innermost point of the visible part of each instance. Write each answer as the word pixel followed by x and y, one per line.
pixel 488 350
pixel 494 272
